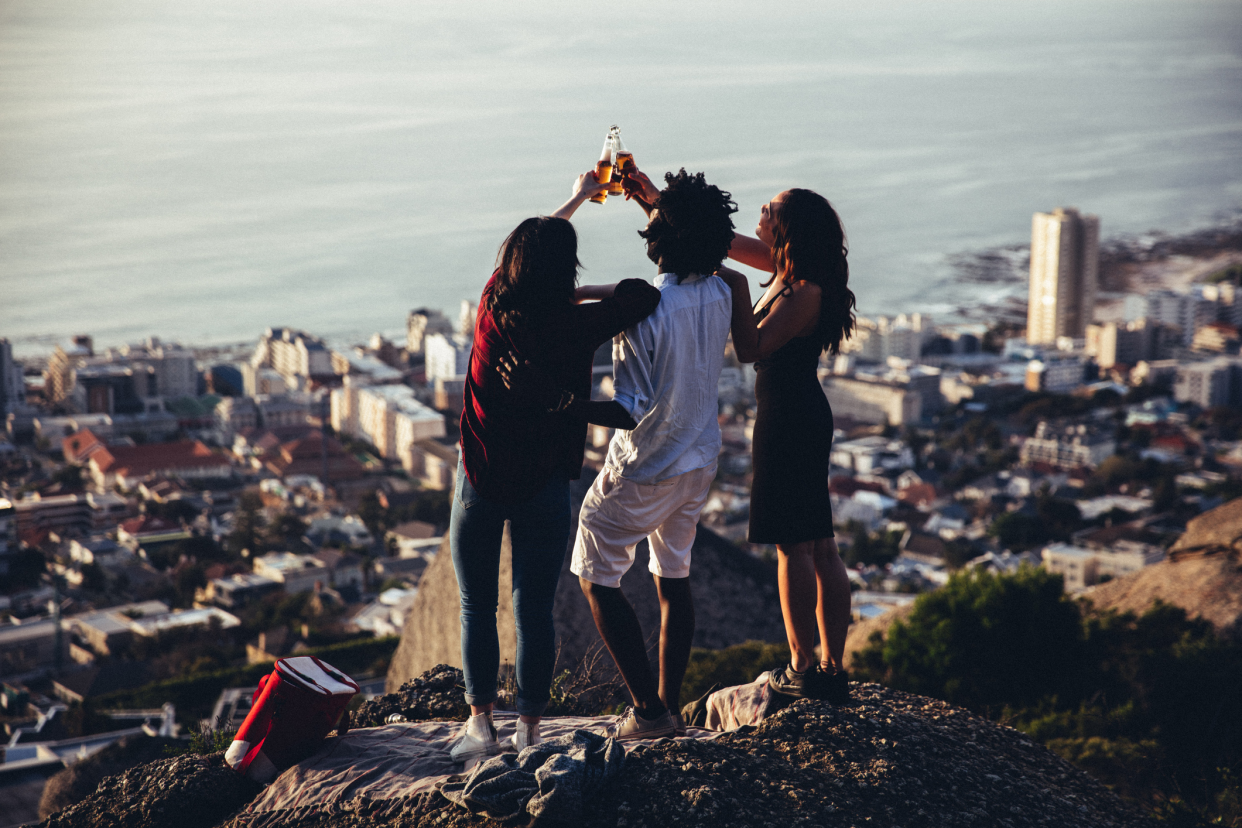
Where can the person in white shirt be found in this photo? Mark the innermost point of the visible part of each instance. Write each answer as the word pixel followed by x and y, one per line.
pixel 657 475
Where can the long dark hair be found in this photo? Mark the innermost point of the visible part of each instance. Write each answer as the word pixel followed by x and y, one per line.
pixel 809 245
pixel 536 272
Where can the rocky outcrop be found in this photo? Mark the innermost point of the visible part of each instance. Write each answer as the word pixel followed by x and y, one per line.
pixel 1217 530
pixel 1207 587
pixel 734 594
pixel 435 695
pixel 888 759
pixel 183 792
pixel 81 779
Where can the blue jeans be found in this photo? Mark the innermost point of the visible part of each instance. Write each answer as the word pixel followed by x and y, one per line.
pixel 539 529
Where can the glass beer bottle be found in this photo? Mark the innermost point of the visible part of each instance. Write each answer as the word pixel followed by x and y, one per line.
pixel 623 163
pixel 603 170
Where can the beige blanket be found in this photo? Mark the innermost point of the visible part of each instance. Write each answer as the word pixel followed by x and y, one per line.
pixel 376 770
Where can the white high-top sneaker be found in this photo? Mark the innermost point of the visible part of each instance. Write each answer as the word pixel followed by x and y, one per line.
pixel 525 735
pixel 478 739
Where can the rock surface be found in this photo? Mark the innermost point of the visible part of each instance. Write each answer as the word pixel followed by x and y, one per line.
pixel 1207 587
pixel 437 694
pixel 80 779
pixel 888 759
pixel 734 594
pixel 1217 530
pixel 182 792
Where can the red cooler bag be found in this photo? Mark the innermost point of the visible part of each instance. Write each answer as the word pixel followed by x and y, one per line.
pixel 293 710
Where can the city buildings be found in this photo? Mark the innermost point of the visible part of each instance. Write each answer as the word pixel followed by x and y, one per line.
pixel 1082 567
pixel 1129 343
pixel 127 466
pixel 1210 384
pixel 8 534
pixel 296 573
pixel 1058 374
pixel 867 399
pixel 388 417
pixel 132 379
pixel 286 360
pixel 422 323
pixel 901 337
pixel 12 385
pixel 1069 447
pixel 1064 275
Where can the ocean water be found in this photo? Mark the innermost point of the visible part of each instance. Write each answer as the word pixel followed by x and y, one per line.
pixel 202 170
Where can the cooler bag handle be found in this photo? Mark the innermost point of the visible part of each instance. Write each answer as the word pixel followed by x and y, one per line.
pixel 253 730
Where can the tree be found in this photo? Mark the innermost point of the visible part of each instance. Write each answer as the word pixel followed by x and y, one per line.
pixel 93 578
pixel 1146 704
pixel 1058 519
pixel 247 521
pixel 188 579
pixel 69 476
pixel 285 532
pixel 876 549
pixel 983 641
pixel 1017 531
pixel 373 514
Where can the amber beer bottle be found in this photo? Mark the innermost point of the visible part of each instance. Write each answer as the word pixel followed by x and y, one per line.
pixel 603 170
pixel 623 163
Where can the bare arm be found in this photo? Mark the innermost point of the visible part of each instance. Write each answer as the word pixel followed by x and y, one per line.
pixel 751 252
pixel 602 412
pixel 793 314
pixel 585 293
pixel 585 187
pixel 639 188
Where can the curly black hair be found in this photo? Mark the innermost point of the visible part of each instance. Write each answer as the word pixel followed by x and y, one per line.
pixel 690 230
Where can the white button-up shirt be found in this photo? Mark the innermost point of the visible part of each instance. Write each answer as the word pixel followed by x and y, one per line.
pixel 665 373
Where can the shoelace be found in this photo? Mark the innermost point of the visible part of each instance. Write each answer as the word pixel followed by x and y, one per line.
pixel 629 714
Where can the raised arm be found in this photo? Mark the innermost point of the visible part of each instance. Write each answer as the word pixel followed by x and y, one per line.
pixel 586 186
pixel 751 252
pixel 638 187
pixel 790 315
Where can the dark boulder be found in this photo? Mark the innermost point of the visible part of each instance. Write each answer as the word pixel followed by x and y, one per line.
pixel 435 695
pixel 80 780
pixel 181 792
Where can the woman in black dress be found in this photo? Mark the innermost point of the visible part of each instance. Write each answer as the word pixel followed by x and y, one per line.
pixel 807 307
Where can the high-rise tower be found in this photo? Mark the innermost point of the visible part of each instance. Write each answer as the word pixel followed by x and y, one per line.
pixel 1065 264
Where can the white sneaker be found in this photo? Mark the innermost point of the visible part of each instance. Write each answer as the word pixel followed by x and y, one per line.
pixel 478 739
pixel 630 726
pixel 525 735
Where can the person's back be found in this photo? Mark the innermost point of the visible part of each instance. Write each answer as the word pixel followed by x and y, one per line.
pixel 666 370
pixel 659 474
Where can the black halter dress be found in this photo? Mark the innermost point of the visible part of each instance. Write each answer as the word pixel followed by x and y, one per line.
pixel 791 445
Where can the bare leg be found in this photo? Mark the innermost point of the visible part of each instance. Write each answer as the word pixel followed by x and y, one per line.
pixel 676 635
pixel 833 611
pixel 618 626
pixel 796 581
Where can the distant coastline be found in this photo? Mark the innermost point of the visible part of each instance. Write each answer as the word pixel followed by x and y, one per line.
pixel 1128 264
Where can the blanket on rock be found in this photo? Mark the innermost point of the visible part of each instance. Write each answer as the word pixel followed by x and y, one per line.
pixel 381 771
pixel 548 781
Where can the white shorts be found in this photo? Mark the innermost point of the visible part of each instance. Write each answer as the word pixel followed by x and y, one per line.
pixel 618 513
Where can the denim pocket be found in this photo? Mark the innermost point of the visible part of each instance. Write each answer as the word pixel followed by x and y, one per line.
pixel 466 493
